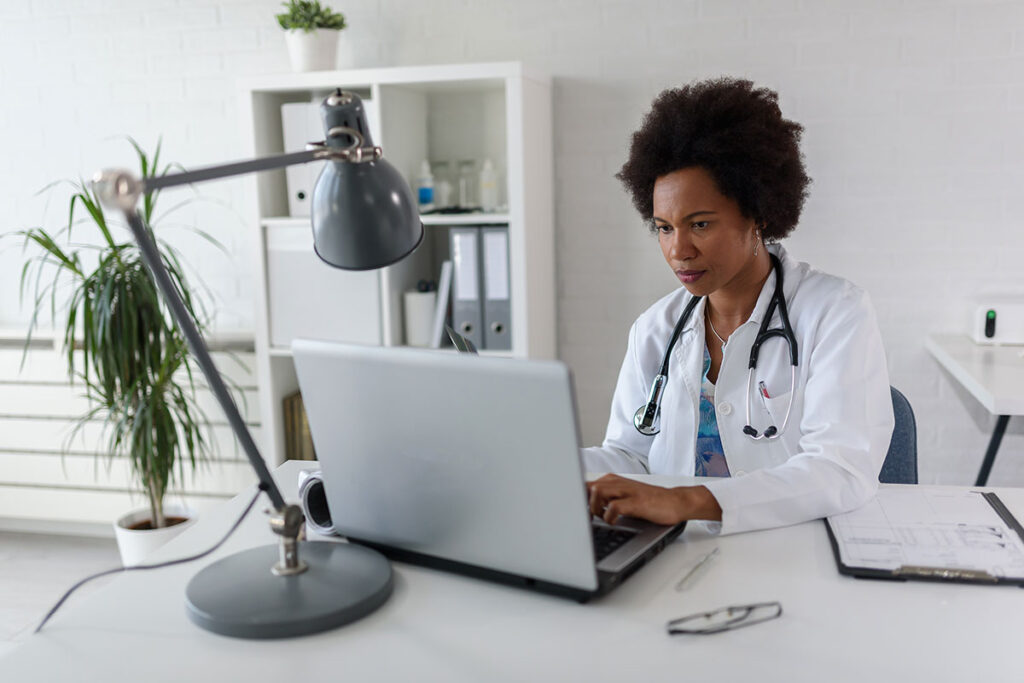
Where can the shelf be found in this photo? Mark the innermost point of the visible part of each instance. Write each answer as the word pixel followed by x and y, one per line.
pixel 444 219
pixel 281 352
pixel 465 219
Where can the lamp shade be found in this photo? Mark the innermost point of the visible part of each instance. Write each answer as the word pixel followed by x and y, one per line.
pixel 364 215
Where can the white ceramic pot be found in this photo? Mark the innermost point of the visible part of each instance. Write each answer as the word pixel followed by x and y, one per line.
pixel 316 50
pixel 136 544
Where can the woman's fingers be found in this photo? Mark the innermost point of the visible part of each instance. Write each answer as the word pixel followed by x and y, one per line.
pixel 620 507
pixel 612 497
pixel 605 489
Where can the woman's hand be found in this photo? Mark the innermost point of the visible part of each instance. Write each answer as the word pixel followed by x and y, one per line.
pixel 613 496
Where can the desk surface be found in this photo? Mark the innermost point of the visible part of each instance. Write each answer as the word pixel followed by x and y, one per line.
pixel 438 626
pixel 993 374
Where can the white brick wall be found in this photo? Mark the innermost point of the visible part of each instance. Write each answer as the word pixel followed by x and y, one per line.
pixel 912 112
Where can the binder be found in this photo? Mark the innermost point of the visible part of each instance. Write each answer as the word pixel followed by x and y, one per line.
pixel 467 309
pixel 300 122
pixel 930 534
pixel 497 309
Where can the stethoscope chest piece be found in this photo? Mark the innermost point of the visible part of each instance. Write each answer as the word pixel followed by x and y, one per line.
pixel 647 417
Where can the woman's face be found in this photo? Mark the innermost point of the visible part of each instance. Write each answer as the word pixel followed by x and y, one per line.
pixel 706 239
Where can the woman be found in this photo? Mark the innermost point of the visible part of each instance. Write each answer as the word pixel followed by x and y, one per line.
pixel 717 172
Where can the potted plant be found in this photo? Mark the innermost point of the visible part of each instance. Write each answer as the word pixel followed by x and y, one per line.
pixel 122 344
pixel 311 33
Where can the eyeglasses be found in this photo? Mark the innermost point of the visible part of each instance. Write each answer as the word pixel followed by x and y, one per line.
pixel 724 619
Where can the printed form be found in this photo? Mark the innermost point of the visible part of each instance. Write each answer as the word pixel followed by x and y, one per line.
pixel 911 526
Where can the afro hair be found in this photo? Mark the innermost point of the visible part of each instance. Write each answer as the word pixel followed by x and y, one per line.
pixel 735 132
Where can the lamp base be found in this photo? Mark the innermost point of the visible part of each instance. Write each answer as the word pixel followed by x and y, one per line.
pixel 239 596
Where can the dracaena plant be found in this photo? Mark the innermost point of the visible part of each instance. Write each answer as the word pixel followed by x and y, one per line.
pixel 308 15
pixel 119 339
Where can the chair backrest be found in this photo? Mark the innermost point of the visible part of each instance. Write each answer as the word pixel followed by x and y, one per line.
pixel 900 466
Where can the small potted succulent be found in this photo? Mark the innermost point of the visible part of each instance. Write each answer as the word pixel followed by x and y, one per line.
pixel 311 33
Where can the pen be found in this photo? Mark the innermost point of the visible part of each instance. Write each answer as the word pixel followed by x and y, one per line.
pixel 764 389
pixel 693 570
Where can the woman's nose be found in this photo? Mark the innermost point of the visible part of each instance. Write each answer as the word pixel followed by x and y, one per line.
pixel 681 247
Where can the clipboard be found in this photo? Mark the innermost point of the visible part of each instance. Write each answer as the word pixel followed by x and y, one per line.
pixel 930 534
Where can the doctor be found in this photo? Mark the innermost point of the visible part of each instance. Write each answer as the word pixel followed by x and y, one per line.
pixel 717 173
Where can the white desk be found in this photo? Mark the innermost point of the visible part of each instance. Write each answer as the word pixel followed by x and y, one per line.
pixel 993 374
pixel 441 627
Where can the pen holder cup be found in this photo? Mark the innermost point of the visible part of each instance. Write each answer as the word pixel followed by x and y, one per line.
pixel 419 317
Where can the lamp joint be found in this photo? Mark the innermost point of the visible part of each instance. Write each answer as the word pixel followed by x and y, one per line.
pixel 117 188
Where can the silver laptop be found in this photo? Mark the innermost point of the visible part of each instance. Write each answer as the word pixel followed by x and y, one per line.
pixel 464 463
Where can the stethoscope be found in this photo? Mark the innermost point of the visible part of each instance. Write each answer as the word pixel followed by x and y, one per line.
pixel 647 415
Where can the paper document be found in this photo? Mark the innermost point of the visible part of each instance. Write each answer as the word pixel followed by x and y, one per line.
pixel 922 527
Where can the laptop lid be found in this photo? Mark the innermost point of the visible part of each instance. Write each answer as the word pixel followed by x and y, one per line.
pixel 460 457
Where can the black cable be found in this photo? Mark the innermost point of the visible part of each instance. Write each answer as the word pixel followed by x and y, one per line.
pixel 150 566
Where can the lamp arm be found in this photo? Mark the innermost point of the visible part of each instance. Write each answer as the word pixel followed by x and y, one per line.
pixel 151 256
pixel 232 169
pixel 356 152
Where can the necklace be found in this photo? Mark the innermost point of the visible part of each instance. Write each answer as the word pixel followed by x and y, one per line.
pixel 713 330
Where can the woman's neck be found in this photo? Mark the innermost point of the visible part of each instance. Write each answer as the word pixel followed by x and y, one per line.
pixel 731 305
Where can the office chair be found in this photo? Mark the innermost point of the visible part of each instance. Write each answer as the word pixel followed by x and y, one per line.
pixel 900 466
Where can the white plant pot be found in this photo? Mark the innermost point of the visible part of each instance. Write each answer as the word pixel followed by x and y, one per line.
pixel 136 544
pixel 316 50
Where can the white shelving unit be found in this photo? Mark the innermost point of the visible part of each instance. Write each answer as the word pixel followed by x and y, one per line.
pixel 499 111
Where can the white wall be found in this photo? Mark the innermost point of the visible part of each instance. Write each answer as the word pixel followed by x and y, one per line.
pixel 912 111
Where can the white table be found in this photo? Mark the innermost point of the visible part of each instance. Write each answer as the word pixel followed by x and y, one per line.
pixel 441 627
pixel 993 374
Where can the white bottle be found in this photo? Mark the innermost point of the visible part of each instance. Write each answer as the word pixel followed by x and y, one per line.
pixel 425 187
pixel 488 187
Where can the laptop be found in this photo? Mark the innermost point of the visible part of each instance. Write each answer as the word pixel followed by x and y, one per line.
pixel 464 463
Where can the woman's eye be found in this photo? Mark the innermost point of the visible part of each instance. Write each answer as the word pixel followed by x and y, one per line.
pixel 700 225
pixel 663 228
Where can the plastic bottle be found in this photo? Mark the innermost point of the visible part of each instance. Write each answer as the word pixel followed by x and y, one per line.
pixel 488 187
pixel 425 187
pixel 442 185
pixel 467 184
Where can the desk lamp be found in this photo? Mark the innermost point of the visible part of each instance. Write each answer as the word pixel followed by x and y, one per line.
pixel 364 217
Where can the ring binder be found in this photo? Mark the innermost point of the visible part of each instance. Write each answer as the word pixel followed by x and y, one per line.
pixel 467 311
pixel 497 310
pixel 912 572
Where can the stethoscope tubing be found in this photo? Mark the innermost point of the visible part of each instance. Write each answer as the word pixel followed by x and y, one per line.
pixel 645 417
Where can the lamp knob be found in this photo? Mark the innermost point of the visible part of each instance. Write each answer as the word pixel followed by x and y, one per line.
pixel 339 98
pixel 117 188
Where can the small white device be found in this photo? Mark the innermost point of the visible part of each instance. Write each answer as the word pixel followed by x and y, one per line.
pixel 998 320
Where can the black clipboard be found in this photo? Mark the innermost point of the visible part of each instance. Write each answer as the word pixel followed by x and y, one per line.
pixel 922 573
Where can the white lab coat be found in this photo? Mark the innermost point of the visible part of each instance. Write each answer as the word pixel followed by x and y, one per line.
pixel 827 460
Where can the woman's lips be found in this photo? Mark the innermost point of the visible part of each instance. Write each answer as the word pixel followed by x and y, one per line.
pixel 689 276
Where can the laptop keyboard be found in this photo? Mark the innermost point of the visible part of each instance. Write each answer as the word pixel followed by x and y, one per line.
pixel 607 541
